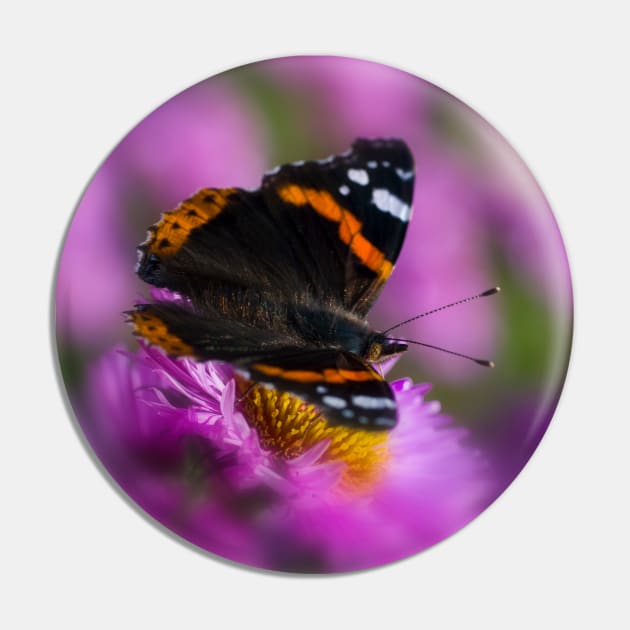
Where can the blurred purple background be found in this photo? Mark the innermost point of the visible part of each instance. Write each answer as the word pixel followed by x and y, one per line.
pixel 480 220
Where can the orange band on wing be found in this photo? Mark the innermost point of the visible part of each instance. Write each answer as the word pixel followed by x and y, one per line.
pixel 155 331
pixel 167 236
pixel 329 375
pixel 349 226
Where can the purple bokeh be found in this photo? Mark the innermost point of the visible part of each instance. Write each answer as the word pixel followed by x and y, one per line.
pixel 154 420
pixel 206 134
pixel 169 432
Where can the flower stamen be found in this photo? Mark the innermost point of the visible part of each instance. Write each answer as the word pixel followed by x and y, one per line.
pixel 288 427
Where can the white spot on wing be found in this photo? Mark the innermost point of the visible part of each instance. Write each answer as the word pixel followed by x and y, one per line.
pixel 372 164
pixel 334 401
pixel 371 402
pixel 358 176
pixel 385 201
pixel 385 163
pixel 320 389
pixel 347 413
pixel 404 175
pixel 344 190
pixel 273 171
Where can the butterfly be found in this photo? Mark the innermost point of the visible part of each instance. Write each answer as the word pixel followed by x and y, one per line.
pixel 279 281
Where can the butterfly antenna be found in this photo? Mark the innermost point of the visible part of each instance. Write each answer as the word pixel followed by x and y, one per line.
pixel 483 362
pixel 443 308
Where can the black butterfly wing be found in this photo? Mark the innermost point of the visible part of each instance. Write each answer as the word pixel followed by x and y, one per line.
pixel 326 231
pixel 180 331
pixel 349 214
pixel 217 243
pixel 347 391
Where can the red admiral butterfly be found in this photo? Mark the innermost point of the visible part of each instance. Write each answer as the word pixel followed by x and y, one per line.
pixel 280 279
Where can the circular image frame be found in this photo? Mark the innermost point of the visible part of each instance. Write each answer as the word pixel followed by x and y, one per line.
pixel 194 447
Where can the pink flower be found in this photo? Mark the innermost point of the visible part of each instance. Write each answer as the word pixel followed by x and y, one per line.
pixel 208 462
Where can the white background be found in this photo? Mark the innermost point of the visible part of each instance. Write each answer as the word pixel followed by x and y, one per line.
pixel 553 78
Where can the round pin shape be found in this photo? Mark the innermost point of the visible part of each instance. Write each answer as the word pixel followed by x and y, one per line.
pixel 284 402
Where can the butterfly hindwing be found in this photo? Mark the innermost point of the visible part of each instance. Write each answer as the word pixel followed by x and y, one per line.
pixel 181 332
pixel 346 390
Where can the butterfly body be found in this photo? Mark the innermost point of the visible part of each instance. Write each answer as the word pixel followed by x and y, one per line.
pixel 279 281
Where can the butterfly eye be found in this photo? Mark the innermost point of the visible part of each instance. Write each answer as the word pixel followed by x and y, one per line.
pixel 374 351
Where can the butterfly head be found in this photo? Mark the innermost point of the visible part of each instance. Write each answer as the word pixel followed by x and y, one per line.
pixel 379 348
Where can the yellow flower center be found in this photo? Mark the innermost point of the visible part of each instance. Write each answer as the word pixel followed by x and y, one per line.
pixel 288 427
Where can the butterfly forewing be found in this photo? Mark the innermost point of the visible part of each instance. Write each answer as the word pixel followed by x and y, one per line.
pixel 364 199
